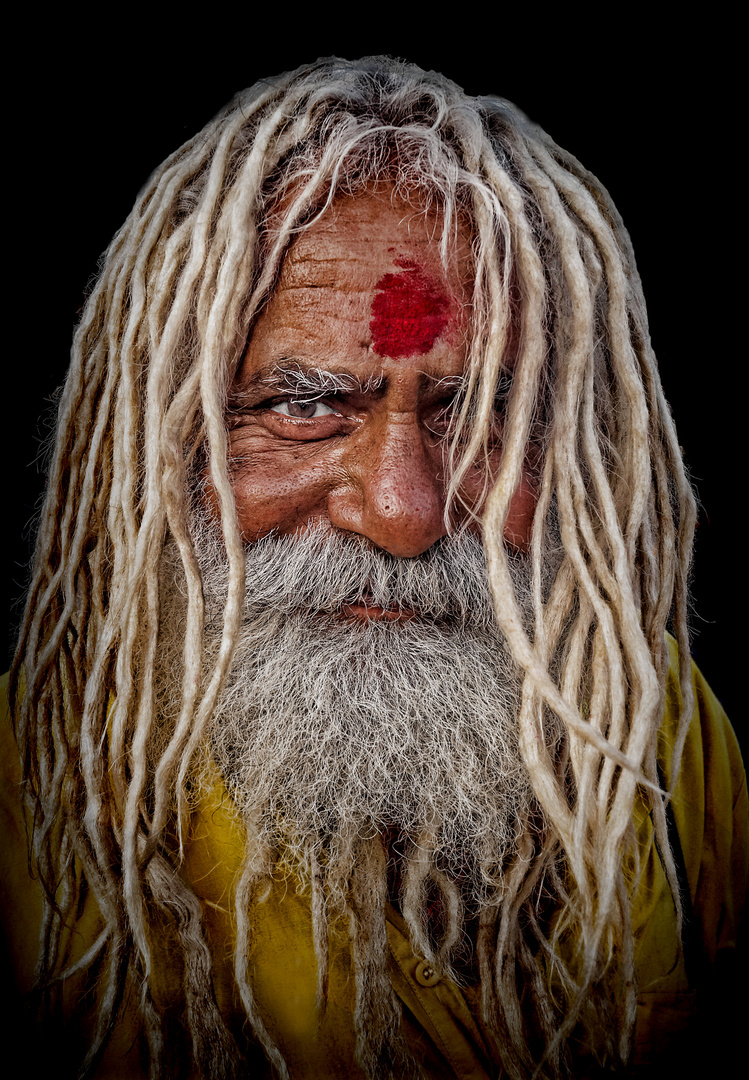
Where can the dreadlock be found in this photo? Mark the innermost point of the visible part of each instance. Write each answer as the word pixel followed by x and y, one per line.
pixel 159 342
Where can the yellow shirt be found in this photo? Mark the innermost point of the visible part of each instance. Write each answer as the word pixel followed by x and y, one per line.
pixel 442 1022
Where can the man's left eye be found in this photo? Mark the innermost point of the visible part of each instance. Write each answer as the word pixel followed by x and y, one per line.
pixel 303 410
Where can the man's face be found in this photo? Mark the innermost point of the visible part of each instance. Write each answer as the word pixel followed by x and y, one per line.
pixel 402 715
pixel 363 298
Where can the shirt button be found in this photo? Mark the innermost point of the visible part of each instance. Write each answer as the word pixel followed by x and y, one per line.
pixel 426 974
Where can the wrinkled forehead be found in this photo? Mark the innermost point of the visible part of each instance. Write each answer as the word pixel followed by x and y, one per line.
pixel 378 273
pixel 364 236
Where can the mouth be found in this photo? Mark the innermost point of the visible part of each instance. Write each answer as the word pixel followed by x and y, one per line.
pixel 363 610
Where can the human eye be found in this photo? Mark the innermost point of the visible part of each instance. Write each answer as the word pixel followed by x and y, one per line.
pixel 301 409
pixel 443 420
pixel 449 418
pixel 444 414
pixel 297 416
pixel 501 402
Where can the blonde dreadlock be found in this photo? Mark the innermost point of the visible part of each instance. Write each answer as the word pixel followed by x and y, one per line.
pixel 157 347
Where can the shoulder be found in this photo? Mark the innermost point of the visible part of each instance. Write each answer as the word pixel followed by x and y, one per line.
pixel 683 1002
pixel 20 896
pixel 710 809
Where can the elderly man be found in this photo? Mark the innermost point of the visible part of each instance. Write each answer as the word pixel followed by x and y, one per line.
pixel 351 739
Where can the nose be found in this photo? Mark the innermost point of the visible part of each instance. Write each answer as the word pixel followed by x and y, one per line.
pixel 392 493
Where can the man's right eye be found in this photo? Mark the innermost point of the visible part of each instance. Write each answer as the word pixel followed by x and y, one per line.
pixel 299 409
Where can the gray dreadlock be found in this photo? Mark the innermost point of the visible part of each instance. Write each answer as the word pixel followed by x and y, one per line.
pixel 156 350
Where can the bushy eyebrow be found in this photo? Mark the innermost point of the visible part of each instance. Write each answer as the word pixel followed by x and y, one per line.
pixel 311 383
pixel 304 383
pixel 449 384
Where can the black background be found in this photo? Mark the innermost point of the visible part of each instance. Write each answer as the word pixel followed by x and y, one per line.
pixel 649 112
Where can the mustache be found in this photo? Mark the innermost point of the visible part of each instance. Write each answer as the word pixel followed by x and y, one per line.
pixel 321 570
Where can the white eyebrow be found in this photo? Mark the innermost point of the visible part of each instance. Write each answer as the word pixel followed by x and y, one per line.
pixel 311 383
pixel 450 384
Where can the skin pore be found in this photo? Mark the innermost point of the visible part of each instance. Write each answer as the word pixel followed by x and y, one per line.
pixel 341 405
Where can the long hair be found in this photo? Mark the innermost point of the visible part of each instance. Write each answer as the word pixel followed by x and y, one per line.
pixel 158 345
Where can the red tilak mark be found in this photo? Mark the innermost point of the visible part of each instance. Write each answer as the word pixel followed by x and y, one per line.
pixel 409 312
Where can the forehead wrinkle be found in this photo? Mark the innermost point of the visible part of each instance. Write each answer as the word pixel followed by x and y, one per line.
pixel 314 270
pixel 340 298
pixel 299 282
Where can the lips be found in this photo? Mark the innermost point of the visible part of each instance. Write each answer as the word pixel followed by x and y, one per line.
pixel 366 609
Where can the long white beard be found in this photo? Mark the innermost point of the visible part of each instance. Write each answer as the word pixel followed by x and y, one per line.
pixel 329 727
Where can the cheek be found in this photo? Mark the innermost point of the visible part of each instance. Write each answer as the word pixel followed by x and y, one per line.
pixel 281 495
pixel 270 499
pixel 519 524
